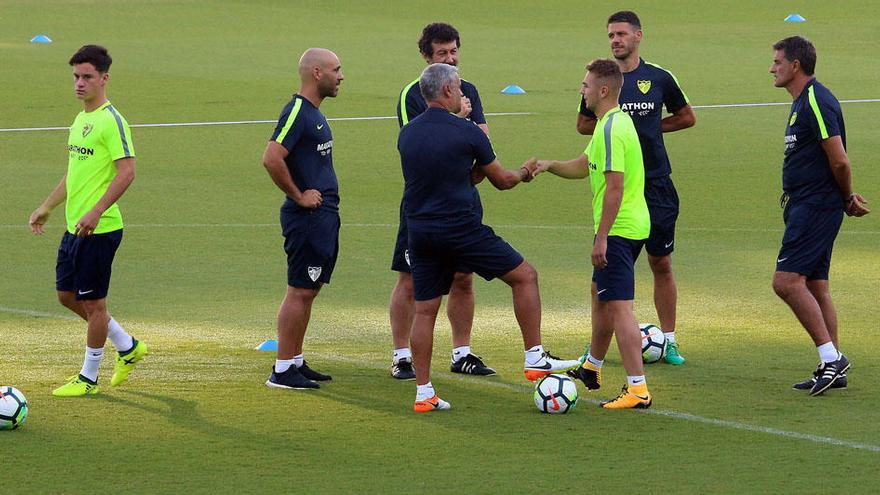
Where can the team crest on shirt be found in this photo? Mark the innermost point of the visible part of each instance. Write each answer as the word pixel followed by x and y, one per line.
pixel 644 86
pixel 314 273
pixel 792 119
pixel 87 129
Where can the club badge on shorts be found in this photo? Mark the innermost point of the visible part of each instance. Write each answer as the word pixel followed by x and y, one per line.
pixel 314 273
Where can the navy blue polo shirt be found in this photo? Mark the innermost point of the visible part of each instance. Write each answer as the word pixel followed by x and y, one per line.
pixel 646 90
pixel 806 174
pixel 303 130
pixel 412 104
pixel 437 151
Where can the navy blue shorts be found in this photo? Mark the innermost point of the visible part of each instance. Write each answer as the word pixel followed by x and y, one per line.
pixel 400 261
pixel 662 199
pixel 437 256
pixel 809 237
pixel 311 241
pixel 84 264
pixel 617 281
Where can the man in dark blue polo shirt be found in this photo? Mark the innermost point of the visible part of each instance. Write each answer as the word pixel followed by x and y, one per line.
pixel 647 88
pixel 439 43
pixel 299 159
pixel 817 185
pixel 442 156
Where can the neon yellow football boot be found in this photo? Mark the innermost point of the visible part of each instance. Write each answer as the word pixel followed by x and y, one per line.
pixel 125 363
pixel 76 386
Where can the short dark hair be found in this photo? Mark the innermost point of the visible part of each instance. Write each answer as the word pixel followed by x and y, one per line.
pixel 92 54
pixel 437 32
pixel 800 49
pixel 625 16
pixel 605 68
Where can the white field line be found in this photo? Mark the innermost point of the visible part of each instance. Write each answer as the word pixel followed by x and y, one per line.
pixel 394 226
pixel 344 119
pixel 240 122
pixel 721 423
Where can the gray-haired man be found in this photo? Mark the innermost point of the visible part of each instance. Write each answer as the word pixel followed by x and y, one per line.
pixel 437 152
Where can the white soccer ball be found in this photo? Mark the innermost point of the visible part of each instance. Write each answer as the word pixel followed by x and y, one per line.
pixel 13 408
pixel 653 343
pixel 556 394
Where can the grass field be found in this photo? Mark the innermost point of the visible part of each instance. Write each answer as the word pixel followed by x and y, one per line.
pixel 201 271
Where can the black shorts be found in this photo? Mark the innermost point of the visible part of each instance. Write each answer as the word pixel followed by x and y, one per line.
pixel 662 199
pixel 437 256
pixel 617 281
pixel 809 237
pixel 84 264
pixel 400 261
pixel 311 241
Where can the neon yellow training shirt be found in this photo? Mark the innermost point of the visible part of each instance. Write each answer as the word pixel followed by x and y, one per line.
pixel 615 132
pixel 97 139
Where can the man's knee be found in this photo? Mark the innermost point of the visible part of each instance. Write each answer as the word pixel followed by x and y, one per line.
pixel 524 274
pixel 463 283
pixel 404 287
pixel 785 284
pixel 94 307
pixel 661 265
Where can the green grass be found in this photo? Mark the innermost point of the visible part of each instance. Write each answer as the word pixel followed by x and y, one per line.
pixel 195 416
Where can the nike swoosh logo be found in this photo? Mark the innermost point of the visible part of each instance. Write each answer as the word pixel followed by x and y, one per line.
pixel 780 260
pixel 667 245
pixel 601 291
pixel 546 366
pixel 86 292
pixel 645 397
pixel 320 127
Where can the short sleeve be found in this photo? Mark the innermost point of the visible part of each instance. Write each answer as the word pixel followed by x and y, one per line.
pixel 483 152
pixel 826 113
pixel 290 126
pixel 411 104
pixel 117 136
pixel 615 140
pixel 674 98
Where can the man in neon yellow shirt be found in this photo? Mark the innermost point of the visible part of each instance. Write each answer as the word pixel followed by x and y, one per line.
pixel 100 169
pixel 613 161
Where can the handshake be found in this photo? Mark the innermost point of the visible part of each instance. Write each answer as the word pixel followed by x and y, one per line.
pixel 532 167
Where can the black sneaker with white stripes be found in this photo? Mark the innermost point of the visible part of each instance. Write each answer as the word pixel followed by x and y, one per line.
pixel 828 373
pixel 403 370
pixel 471 365
pixel 808 384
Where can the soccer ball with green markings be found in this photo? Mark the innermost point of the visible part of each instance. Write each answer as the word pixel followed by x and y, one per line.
pixel 653 343
pixel 13 408
pixel 556 394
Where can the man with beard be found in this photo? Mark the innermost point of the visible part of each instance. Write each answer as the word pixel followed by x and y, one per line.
pixel 299 161
pixel 646 89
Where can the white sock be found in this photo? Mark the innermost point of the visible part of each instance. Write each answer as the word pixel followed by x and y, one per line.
pixel 121 340
pixel 635 380
pixel 282 365
pixel 91 363
pixel 460 352
pixel 596 362
pixel 827 352
pixel 534 354
pixel 298 360
pixel 670 337
pixel 402 353
pixel 425 392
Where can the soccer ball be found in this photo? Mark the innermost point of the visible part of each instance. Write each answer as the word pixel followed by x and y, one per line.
pixel 556 394
pixel 13 408
pixel 653 343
